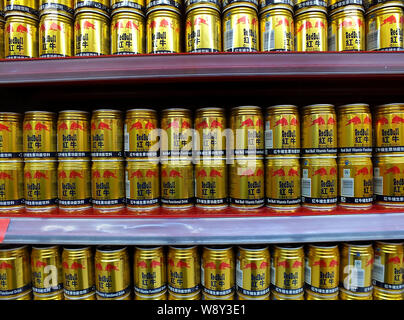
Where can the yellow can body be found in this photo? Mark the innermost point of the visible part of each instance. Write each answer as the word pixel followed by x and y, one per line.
pixel 311 30
pixel 10 135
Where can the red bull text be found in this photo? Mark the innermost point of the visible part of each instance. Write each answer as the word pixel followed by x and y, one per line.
pixel 11 185
pixel 389 128
pixel 311 29
pixel 10 135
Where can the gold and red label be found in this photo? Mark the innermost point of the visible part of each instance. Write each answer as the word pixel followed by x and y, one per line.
pixel 39 138
pixel 354 132
pixel 73 138
pixel 248 131
pixel 282 134
pixel 211 183
pixel 389 180
pixel 319 133
pixel 163 33
pixel 127 34
pixel 277 30
pixel 211 139
pixel 10 139
pixel 55 36
pixel 389 131
pixel 179 136
pixel 311 33
pixel 11 184
pixel 106 137
pixel 21 38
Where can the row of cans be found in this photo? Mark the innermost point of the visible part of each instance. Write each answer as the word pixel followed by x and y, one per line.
pixel 348 271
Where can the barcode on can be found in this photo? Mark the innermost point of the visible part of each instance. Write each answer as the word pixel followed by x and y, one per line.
pixel 239 275
pixel 126 138
pixel 269 37
pixel 306 187
pixel 378 270
pixel 127 185
pixel 357 275
pixel 378 185
pixel 269 139
pixel 347 187
pixel 273 273
pixel 331 40
pixel 307 274
pixel 372 37
pixel 228 36
pixel 202 274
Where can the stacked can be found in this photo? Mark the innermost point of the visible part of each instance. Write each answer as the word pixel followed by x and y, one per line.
pixel 319 146
pixel 56 38
pixel 91 27
pixel 163 26
pixel 2 25
pixel 355 167
pixel 310 25
pixel 282 150
pixel 21 29
pixel 389 160
pixel 142 167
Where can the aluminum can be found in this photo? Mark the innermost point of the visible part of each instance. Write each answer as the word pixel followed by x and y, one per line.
pixel 41 186
pixel 24 6
pixel 10 135
pixel 354 128
pixel 356 270
pixel 15 273
pixel 101 6
pixel 177 4
pixel 2 35
pixel 47 273
pixel 108 184
pixel 91 33
pixel 163 33
pixel 346 29
pixel 226 3
pixel 11 185
pixel 176 123
pixel 301 4
pixel 141 134
pixel 128 31
pixel 78 273
pixel 240 28
pixel 336 4
pixel 177 184
pixel 384 27
pixel 282 130
pixel 319 129
pixel 315 296
pixel 150 276
pixel 389 180
pixel 348 295
pixel 247 125
pixel 282 183
pixel 107 133
pixel 127 4
pixel 184 273
pixel 39 134
pixel 74 185
pixel 311 29
pixel 211 184
pixel 319 182
pixel 203 28
pixel 112 273
pixel 277 28
pixel 322 271
pixel 62 6
pixel 142 184
pixel 356 181
pixel 247 189
pixel 389 128
pixel 217 273
pixel 253 272
pixel 287 272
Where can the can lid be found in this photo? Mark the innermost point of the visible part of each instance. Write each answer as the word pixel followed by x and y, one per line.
pixel 288 246
pixel 253 247
pixel 148 247
pixel 352 105
pixel 107 110
pixel 108 248
pixel 12 161
pixel 43 112
pixel 319 105
pixel 182 247
pixel 93 11
pixel 11 247
pixel 398 104
pixel 218 247
pixel 276 7
pixel 204 4
pixel 275 157
pixel 282 106
pixel 210 109
pixel 323 245
pixel 240 4
pixel 176 109
pixel 142 109
pixel 43 246
pixel 127 10
pixel 75 247
pixel 246 107
pixel 26 15
pixel 75 111
pixel 163 7
pixel 55 12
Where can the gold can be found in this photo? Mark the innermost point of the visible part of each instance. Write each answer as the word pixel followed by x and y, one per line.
pixel 91 33
pixel 15 273
pixel 319 182
pixel 2 35
pixel 127 4
pixel 380 294
pixel 240 27
pixel 108 184
pixel 247 125
pixel 101 6
pixel 356 270
pixel 356 181
pixel 47 274
pixel 142 184
pixel 217 273
pixel 183 272
pixel 301 4
pixel 336 4
pixel 21 36
pixel 65 6
pixel 282 183
pixel 218 3
pixel 177 184
pixel 247 189
pixel 163 33
pixel 282 130
pixel 25 6
pixel 384 27
pixel 10 135
pixel 39 134
pixel 311 29
pixel 141 134
pixel 11 185
pixel 78 273
pixel 316 296
pixel 389 127
pixel 177 4
pixel 264 4
pixel 319 129
pixel 41 185
pixel 287 272
pixel 112 273
pixel 74 185
pixel 277 28
pixel 253 273
pixel 348 295
pixel 346 29
pixel 127 32
pixel 211 183
pixel 389 180
pixel 107 133
pixel 203 28
pixel 73 137
pixel 150 276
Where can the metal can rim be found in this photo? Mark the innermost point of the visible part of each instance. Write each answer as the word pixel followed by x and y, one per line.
pixel 286 248
pixel 176 109
pixel 385 5
pixel 142 109
pixel 217 249
pixel 346 8
pixel 319 105
pixel 45 246
pixel 57 12
pixel 353 105
pixel 70 248
pixel 88 10
pixel 240 4
pixel 274 157
pixel 308 9
pixel 127 10
pixel 148 248
pixel 44 112
pixel 12 160
pixel 253 249
pixel 26 15
pixel 210 108
pixel 199 5
pixel 75 111
pixel 165 7
pixel 109 110
pixel 190 247
pixel 17 247
pixel 121 248
pixel 276 7
pixel 10 113
pixel 388 104
pixel 281 105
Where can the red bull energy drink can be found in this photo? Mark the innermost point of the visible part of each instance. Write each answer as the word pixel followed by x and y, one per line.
pixel 150 273
pixel 253 273
pixel 10 135
pixel 311 29
pixel 11 185
pixel 389 128
pixel 184 273
pixel 127 4
pixel 47 274
pixel 100 6
pixel 65 6
pixel 78 273
pixel 24 6
pixel 217 273
pixel 112 273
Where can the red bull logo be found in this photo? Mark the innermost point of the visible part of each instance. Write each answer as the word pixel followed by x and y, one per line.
pixel 216 124
pixel 281 122
pixel 96 174
pixel 198 21
pixel 74 174
pixel 210 265
pixel 40 126
pixel 305 25
pixel 201 173
pixel 136 125
pixel 5 265
pixel 320 263
pixel 164 173
pixel 214 173
pixel 224 265
pixel 5 176
pixel 297 264
pixel 155 263
pixel 76 126
pixel 63 126
pixel 322 172
pixel 118 25
pixel 202 125
pixel 183 264
pixel 40 175
pixel 188 24
pixel 104 126
pixel 279 172
pixel 370 262
pixel 355 121
pixel 319 121
pixel 333 171
pixel 74 266
pixel 251 266
pixel 88 25
pixel 52 27
pixel 333 263
pixel 110 267
pixel 4 128
pixel 389 20
pixel 364 171
pixel 248 173
pixel 27 175
pixel 394 260
pixel 243 20
pixel 393 170
pixel 174 124
pixel 40 264
pixel 175 174
pixel 319 24
pixel 151 173
pixel 259 123
pixel 292 172
pixel 185 125
pixel 282 21
pixel 164 23
pixel 331 121
pixel 62 175
pixel 284 264
pixel 27 126
pixel 149 125
pixel 248 123
pixel 131 25
pixel 109 174
pixel 382 121
pixel 397 120
pixel 152 24
pixel 136 174
pixel 22 29
pixel 142 264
